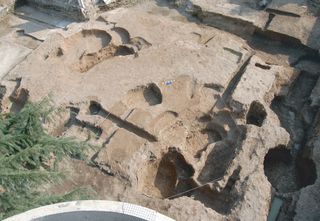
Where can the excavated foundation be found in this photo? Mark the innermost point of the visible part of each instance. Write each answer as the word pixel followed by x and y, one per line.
pixel 189 120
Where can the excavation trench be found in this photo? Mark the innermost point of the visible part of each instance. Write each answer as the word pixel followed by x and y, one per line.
pixel 296 116
pixel 175 179
pixel 174 174
pixel 291 168
pixel 288 168
pixel 96 109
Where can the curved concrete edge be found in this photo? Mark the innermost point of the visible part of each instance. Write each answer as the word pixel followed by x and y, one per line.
pixel 91 205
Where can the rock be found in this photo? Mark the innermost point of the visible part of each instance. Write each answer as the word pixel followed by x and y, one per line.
pixel 283 19
pixel 305 29
pixel 307 204
pixel 296 8
pixel 230 15
pixel 315 95
pixel 308 197
pixel 74 8
pixel 256 81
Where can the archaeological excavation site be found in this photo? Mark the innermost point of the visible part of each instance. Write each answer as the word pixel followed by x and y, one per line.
pixel 155 110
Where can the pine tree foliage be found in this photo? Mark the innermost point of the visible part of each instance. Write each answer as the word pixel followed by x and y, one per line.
pixel 25 147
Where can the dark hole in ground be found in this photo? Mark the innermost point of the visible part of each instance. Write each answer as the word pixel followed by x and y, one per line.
pixel 94 108
pixel 174 174
pixel 265 67
pixel 278 154
pixel 256 114
pixel 306 172
pixel 287 174
pixel 123 51
pixel 152 94
pixel 296 116
pixel 279 169
pixel 166 178
pixel 59 52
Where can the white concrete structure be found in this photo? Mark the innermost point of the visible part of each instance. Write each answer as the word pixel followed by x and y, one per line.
pixel 90 210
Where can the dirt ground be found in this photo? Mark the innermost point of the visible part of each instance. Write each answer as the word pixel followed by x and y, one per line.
pixel 201 110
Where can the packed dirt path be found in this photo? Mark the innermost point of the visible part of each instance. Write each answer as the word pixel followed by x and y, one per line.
pixel 201 110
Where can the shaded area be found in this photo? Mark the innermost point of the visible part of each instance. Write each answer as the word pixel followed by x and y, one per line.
pixel 19 100
pixel 19 97
pixel 225 139
pixel 152 94
pixel 294 110
pixel 124 51
pixel 82 124
pixel 123 34
pixel 217 162
pixel 174 174
pixel 287 174
pixel 222 201
pixel 306 172
pixel 279 169
pixel 256 114
pixel 213 135
pixel 174 179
